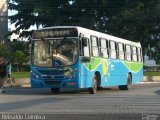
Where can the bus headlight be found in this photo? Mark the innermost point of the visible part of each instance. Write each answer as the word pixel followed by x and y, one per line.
pixel 70 77
pixel 34 75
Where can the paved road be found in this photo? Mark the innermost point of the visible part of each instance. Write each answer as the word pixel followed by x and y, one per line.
pixel 142 100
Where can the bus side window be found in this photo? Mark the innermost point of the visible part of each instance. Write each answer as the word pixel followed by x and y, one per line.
pixel 134 53
pixel 85 47
pixel 128 52
pixel 104 47
pixel 139 55
pixel 94 42
pixel 121 51
pixel 113 52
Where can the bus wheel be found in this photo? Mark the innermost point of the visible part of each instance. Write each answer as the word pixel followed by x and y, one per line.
pixel 93 89
pixel 55 90
pixel 129 83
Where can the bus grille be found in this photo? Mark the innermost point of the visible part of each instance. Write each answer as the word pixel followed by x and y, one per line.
pixel 52 72
pixel 52 82
pixel 53 77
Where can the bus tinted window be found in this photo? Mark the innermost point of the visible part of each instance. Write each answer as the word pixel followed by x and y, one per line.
pixel 139 55
pixel 113 49
pixel 104 47
pixel 85 49
pixel 94 41
pixel 128 52
pixel 121 51
pixel 134 54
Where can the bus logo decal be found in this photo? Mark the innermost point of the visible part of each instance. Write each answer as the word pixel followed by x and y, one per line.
pixel 56 63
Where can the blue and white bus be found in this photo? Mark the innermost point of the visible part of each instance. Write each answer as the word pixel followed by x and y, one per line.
pixel 76 57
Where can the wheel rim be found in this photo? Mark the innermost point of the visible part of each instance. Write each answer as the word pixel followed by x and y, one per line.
pixel 95 83
pixel 129 81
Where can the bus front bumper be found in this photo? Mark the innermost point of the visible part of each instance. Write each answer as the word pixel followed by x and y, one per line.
pixel 37 83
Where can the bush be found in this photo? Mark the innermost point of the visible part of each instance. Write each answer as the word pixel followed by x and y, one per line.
pixel 151 68
pixel 25 68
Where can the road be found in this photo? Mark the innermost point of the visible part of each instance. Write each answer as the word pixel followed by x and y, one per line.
pixel 139 101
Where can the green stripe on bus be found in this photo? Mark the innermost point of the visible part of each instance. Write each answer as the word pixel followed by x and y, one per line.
pixel 93 63
pixel 133 66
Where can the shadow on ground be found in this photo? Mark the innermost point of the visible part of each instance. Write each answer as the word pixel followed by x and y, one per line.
pixel 47 91
pixel 157 92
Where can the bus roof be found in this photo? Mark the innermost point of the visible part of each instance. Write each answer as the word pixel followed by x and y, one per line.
pixel 97 34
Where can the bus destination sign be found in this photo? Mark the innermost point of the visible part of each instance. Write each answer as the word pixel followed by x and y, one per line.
pixel 55 33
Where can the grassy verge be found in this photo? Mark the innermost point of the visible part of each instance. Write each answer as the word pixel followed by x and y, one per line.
pixel 151 73
pixel 20 74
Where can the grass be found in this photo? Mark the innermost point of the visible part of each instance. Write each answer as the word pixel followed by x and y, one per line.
pixel 152 73
pixel 20 74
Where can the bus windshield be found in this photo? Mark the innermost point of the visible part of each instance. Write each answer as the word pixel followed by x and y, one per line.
pixel 54 52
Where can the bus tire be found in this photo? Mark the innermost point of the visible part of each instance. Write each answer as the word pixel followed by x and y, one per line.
pixel 129 83
pixel 55 90
pixel 93 89
pixel 98 81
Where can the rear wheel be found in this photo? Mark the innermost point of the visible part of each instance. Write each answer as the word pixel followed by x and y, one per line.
pixel 93 89
pixel 55 90
pixel 128 85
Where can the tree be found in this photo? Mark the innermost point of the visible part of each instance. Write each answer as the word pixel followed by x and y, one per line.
pixel 19 58
pixel 45 13
pixel 4 51
pixel 136 20
pixel 16 54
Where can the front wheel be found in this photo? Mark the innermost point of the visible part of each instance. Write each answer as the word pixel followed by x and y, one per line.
pixel 93 89
pixel 128 85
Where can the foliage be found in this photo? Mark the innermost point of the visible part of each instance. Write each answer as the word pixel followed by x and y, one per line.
pixel 15 52
pixel 4 51
pixel 25 68
pixel 18 46
pixel 19 55
pixel 19 58
pixel 136 20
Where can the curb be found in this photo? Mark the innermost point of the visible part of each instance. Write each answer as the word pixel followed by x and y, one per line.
pixel 151 78
pixel 148 82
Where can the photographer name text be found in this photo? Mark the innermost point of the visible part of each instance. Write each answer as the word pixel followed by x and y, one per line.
pixel 23 116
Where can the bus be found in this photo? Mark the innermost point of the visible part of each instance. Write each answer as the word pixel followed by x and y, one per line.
pixel 76 57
